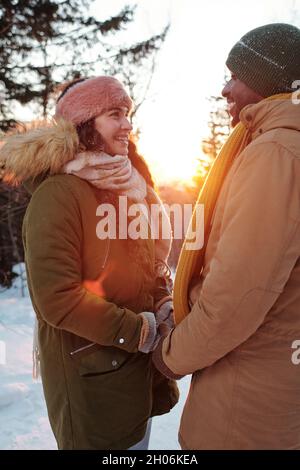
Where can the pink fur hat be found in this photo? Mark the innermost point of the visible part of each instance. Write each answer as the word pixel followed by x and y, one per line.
pixel 90 98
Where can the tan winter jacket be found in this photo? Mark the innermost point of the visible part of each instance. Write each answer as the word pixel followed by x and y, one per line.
pixel 238 339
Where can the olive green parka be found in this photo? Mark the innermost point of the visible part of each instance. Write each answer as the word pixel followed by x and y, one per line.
pixel 86 292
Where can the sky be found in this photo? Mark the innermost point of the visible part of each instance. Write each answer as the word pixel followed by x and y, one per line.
pixel 190 68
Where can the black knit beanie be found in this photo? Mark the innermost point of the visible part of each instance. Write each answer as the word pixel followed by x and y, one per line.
pixel 267 59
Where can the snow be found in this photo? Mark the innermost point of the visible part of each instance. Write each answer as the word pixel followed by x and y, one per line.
pixel 23 412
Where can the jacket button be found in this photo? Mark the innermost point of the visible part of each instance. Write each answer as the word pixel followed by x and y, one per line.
pixel 114 363
pixel 121 340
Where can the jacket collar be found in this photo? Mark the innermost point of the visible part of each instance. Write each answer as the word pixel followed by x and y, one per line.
pixel 271 114
pixel 38 151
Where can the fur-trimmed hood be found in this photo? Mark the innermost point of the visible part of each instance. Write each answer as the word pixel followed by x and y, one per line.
pixel 41 149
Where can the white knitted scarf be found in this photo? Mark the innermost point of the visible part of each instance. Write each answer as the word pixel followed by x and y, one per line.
pixel 115 174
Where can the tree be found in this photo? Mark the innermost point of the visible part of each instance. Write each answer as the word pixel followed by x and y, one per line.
pixel 219 129
pixel 39 45
pixel 13 203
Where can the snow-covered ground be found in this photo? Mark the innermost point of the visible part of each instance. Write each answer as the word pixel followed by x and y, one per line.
pixel 23 415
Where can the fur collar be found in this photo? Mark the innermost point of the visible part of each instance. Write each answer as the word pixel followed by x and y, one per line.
pixel 42 149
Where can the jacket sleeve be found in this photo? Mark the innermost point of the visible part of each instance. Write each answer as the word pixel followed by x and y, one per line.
pixel 256 252
pixel 52 235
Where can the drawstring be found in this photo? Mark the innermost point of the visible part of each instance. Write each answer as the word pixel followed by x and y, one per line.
pixel 35 352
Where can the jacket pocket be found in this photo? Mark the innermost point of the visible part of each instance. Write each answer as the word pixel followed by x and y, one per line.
pixel 94 359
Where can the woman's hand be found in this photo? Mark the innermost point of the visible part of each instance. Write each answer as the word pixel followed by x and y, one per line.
pixel 155 327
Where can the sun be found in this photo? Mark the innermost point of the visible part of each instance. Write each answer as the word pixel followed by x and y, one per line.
pixel 170 164
pixel 166 173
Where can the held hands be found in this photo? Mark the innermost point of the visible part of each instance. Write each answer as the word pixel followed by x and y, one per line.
pixel 156 326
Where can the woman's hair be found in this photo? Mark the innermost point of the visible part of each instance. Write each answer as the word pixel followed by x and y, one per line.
pixel 91 140
pixel 140 163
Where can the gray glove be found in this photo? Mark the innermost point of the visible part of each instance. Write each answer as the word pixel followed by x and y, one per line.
pixel 165 314
pixel 154 328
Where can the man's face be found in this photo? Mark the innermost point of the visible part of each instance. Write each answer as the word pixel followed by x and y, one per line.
pixel 238 95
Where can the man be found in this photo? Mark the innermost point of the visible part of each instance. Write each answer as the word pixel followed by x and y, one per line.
pixel 239 336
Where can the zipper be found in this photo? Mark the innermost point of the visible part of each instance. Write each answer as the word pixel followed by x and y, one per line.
pixel 106 254
pixel 83 348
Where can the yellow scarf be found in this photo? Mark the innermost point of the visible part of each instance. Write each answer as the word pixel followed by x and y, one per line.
pixel 191 261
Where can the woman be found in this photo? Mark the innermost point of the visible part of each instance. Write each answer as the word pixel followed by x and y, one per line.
pixel 94 296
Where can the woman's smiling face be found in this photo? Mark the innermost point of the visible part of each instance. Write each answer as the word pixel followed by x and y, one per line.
pixel 114 127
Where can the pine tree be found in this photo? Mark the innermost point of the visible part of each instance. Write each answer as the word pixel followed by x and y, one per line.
pixel 219 129
pixel 46 42
pixel 13 203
